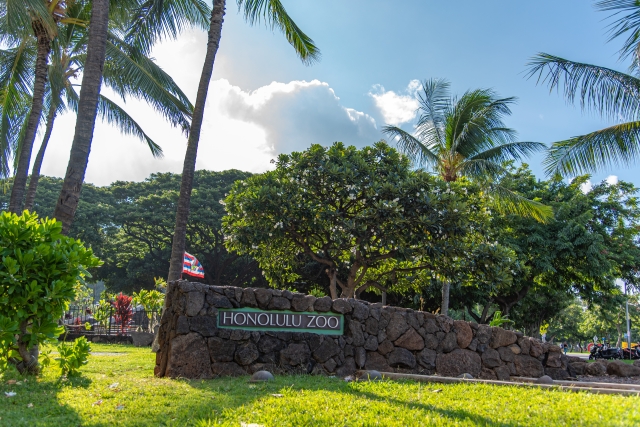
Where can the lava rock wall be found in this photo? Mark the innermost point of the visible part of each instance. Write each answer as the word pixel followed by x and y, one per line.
pixel 384 338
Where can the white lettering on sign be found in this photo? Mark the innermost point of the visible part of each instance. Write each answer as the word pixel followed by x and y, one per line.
pixel 287 321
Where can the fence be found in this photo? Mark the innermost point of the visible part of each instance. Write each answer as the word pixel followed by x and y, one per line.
pixel 83 320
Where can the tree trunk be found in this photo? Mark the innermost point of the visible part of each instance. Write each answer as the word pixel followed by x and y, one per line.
pixel 188 169
pixel 35 172
pixel 87 110
pixel 29 355
pixel 22 171
pixel 332 284
pixel 444 307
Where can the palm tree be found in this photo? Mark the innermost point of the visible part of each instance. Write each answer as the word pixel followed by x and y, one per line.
pixel 274 14
pixel 127 72
pixel 467 137
pixel 612 94
pixel 172 13
pixel 18 17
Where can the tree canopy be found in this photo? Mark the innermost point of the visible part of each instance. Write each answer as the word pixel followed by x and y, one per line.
pixel 351 210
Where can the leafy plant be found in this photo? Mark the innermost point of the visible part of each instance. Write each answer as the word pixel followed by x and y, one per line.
pixel 73 357
pixel 103 312
pixel 39 270
pixel 152 301
pixel 317 292
pixel 123 312
pixel 83 295
pixel 8 331
pixel 160 283
pixel 499 319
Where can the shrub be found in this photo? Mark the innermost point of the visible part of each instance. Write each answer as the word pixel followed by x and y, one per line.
pixel 39 270
pixel 152 301
pixel 73 356
pixel 499 319
pixel 103 312
pixel 123 311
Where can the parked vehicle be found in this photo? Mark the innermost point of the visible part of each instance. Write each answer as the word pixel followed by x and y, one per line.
pixel 603 351
pixel 632 354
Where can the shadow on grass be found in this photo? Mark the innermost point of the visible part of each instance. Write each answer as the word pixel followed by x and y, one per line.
pixel 231 394
pixel 36 401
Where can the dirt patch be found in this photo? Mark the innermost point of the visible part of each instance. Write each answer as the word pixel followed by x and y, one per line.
pixel 609 379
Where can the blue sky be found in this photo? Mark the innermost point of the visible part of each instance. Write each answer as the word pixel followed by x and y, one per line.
pixel 264 101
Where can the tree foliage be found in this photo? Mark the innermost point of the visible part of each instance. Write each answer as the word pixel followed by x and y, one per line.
pixel 38 274
pixel 129 226
pixel 357 212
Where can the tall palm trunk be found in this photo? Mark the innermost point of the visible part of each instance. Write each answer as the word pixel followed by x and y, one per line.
pixel 87 110
pixel 35 171
pixel 188 170
pixel 22 171
pixel 449 175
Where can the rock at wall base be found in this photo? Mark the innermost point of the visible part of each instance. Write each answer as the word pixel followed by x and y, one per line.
pixel 142 339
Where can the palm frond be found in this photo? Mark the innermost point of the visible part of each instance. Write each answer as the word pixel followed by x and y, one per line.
pixel 411 146
pixel 481 169
pixel 433 101
pixel 509 202
pixel 156 20
pixel 274 15
pixel 113 114
pixel 476 122
pixel 510 151
pixel 605 91
pixel 130 73
pixel 16 17
pixel 617 145
pixel 627 22
pixel 16 83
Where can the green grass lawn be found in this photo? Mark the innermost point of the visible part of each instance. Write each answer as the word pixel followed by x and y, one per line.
pixel 121 390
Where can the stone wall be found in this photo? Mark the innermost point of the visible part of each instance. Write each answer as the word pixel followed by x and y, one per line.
pixel 383 338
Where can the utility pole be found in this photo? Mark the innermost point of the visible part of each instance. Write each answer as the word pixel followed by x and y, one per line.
pixel 628 325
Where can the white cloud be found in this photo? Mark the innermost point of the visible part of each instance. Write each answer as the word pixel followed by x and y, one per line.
pixel 586 186
pixel 241 130
pixel 396 108
pixel 295 115
pixel 612 180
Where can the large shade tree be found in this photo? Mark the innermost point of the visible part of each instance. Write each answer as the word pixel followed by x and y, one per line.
pixel 274 14
pixel 612 94
pixel 362 214
pixel 591 241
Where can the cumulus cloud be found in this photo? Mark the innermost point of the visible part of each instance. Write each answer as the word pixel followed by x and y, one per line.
pixel 295 115
pixel 396 108
pixel 241 130
pixel 612 180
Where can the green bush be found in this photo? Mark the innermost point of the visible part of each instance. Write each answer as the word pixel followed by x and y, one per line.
pixel 73 356
pixel 39 271
pixel 151 301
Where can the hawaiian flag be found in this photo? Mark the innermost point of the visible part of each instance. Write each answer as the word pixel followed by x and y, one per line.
pixel 192 266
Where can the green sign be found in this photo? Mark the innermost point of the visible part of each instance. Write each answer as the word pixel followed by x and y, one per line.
pixel 253 319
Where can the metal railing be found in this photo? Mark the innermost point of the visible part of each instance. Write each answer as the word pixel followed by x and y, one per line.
pixel 84 321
